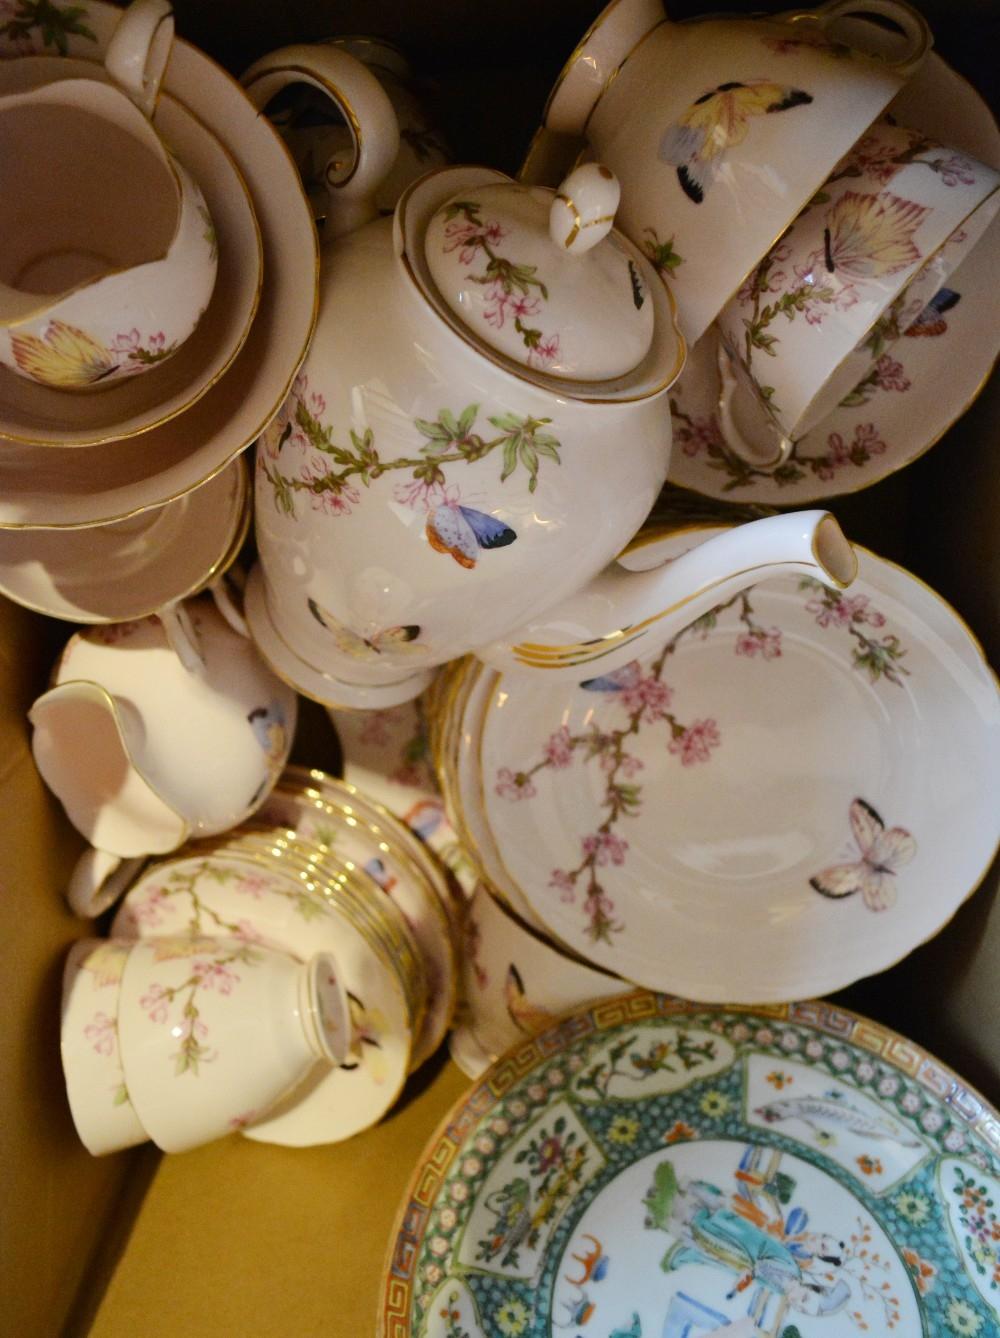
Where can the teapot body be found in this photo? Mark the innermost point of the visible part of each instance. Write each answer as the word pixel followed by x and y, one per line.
pixel 416 499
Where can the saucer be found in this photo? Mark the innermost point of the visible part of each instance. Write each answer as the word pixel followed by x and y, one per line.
pixel 247 896
pixel 308 679
pixel 386 755
pixel 156 558
pixel 38 415
pixel 923 383
pixel 651 1168
pixel 800 767
pixel 58 487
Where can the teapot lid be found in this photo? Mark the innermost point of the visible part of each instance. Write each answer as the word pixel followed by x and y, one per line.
pixel 542 277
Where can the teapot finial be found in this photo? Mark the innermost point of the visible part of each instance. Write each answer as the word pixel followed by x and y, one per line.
pixel 583 211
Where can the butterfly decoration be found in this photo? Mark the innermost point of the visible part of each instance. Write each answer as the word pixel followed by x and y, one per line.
pixel 64 356
pixel 696 143
pixel 931 320
pixel 268 725
pixel 620 681
pixel 425 817
pixel 526 1016
pixel 883 852
pixel 366 1026
pixel 462 531
pixel 397 640
pixel 594 1263
pixel 376 870
pixel 868 236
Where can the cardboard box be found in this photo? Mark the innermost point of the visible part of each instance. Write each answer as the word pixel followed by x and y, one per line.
pixel 243 1239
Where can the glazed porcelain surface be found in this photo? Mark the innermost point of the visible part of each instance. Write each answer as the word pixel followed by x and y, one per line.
pixel 153 560
pixel 99 1102
pixel 700 819
pixel 403 499
pixel 214 1031
pixel 652 1167
pixel 230 894
pixel 40 414
pixel 77 284
pixel 386 755
pixel 372 850
pixel 169 460
pixel 895 414
pixel 514 983
pixel 209 740
pixel 854 271
pixel 720 130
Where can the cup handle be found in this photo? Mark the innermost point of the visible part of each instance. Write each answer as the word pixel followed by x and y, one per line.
pixel 230 604
pixel 365 107
pixel 182 637
pixel 98 880
pixel 774 446
pixel 137 54
pixel 903 51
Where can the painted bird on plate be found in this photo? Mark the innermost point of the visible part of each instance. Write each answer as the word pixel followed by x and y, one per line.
pixel 697 141
pixel 526 1016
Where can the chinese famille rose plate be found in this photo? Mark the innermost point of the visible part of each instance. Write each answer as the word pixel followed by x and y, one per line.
pixel 652 1168
pixel 794 792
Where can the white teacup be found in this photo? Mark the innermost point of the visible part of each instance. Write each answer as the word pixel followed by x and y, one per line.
pixel 109 255
pixel 99 1101
pixel 891 223
pixel 214 1032
pixel 515 982
pixel 720 130
pixel 144 752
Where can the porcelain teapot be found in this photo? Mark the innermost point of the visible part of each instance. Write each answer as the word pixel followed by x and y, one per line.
pixel 480 426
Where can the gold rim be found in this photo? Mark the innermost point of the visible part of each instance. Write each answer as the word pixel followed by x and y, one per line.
pixel 107 438
pixel 575 55
pixel 617 71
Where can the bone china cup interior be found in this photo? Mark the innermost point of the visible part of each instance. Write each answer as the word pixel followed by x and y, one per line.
pixel 214 1031
pixel 109 255
pixel 720 130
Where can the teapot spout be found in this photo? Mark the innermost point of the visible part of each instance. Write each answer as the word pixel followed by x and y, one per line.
pixel 624 614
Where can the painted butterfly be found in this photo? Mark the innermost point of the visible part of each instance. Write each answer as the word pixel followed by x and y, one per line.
pixel 882 852
pixel 425 817
pixel 620 681
pixel 376 870
pixel 931 320
pixel 697 142
pixel 397 640
pixel 463 531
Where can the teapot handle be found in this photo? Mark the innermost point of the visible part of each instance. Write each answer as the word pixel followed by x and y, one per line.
pixel 138 51
pixel 626 613
pixel 365 107
pixel 902 51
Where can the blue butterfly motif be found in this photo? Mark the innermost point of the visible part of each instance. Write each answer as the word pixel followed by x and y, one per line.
pixel 619 681
pixel 376 870
pixel 425 817
pixel 463 531
pixel 931 320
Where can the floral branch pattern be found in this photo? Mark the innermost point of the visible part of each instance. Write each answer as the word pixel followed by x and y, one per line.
pixel 512 289
pixel 329 470
pixel 660 1056
pixel 981 1224
pixel 54 25
pixel 661 254
pixel 878 657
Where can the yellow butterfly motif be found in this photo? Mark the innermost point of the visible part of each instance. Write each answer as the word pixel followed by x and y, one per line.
pixel 398 640
pixel 64 356
pixel 696 142
pixel 868 236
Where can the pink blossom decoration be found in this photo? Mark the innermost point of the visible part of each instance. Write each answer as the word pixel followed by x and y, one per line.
pixel 424 496
pixel 889 375
pixel 155 1003
pixel 648 695
pixel 766 643
pixel 214 975
pixel 558 750
pixel 955 171
pixel 564 885
pixel 101 1033
pixel 544 353
pixel 514 785
pixel 336 501
pixel 695 743
pixel 605 847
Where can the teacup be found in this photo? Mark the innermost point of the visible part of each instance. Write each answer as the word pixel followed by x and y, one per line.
pixel 109 256
pixel 721 130
pixel 321 142
pixel 99 1101
pixel 214 1032
pixel 144 751
pixel 895 218
pixel 516 983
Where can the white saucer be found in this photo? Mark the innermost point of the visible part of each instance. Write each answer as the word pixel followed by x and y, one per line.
pixel 58 487
pixel 810 768
pixel 311 681
pixel 35 414
pixel 129 569
pixel 927 381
